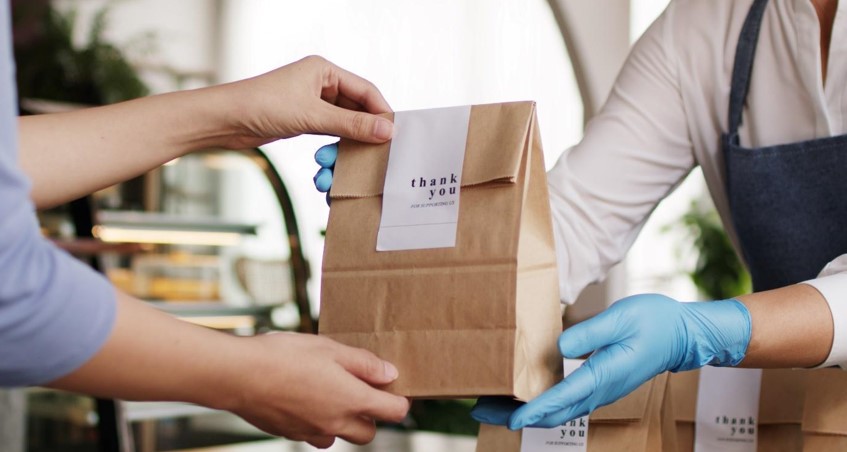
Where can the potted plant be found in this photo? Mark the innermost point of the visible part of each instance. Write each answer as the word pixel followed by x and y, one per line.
pixel 718 273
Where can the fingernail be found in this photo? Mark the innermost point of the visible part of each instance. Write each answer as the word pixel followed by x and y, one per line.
pixel 383 129
pixel 390 371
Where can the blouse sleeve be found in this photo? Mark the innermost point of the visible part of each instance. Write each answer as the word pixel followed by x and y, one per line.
pixel 634 153
pixel 832 284
pixel 55 312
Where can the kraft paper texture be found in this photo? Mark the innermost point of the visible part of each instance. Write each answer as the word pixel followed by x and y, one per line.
pixel 481 318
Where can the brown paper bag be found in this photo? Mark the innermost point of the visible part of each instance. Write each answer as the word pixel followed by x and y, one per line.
pixel 481 318
pixel 825 411
pixel 633 423
pixel 780 409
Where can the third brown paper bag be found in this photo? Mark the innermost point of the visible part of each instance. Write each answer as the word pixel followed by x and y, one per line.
pixel 780 409
pixel 825 411
pixel 479 318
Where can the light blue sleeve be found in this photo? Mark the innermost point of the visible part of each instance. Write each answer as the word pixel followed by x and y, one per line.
pixel 55 312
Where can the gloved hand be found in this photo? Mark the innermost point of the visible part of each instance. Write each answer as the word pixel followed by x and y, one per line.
pixel 325 157
pixel 634 340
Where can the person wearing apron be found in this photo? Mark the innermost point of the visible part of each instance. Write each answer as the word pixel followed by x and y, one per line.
pixel 782 203
pixel 788 215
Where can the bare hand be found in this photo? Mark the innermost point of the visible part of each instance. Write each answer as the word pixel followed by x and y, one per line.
pixel 303 387
pixel 314 389
pixel 309 96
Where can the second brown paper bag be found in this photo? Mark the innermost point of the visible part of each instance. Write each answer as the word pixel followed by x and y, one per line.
pixel 633 424
pixel 780 409
pixel 825 410
pixel 479 318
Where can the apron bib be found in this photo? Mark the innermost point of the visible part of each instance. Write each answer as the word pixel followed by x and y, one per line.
pixel 785 200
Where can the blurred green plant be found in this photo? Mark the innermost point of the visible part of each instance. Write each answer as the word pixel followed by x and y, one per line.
pixel 444 416
pixel 449 416
pixel 51 67
pixel 718 272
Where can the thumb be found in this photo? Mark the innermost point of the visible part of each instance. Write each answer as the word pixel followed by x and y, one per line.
pixel 367 366
pixel 357 125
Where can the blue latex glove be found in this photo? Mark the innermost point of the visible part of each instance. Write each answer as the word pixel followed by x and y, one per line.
pixel 633 340
pixel 325 157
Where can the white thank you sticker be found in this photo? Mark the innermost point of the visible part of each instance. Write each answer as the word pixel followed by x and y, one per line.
pixel 571 437
pixel 727 409
pixel 420 200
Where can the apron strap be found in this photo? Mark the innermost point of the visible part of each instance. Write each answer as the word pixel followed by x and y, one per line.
pixel 745 52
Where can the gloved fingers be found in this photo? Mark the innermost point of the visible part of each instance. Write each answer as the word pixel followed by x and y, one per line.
pixel 592 334
pixel 326 155
pixel 572 391
pixel 559 418
pixel 323 180
pixel 495 410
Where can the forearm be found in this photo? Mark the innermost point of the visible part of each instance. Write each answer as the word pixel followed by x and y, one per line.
pixel 791 327
pixel 71 154
pixel 68 155
pixel 301 386
pixel 153 356
pixel 641 336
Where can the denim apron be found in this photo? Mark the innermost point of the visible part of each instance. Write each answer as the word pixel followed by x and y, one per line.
pixel 785 200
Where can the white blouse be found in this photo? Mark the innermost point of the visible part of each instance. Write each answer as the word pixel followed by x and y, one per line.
pixel 665 115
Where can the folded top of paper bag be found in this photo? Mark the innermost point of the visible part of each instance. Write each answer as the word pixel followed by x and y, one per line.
pixel 502 142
